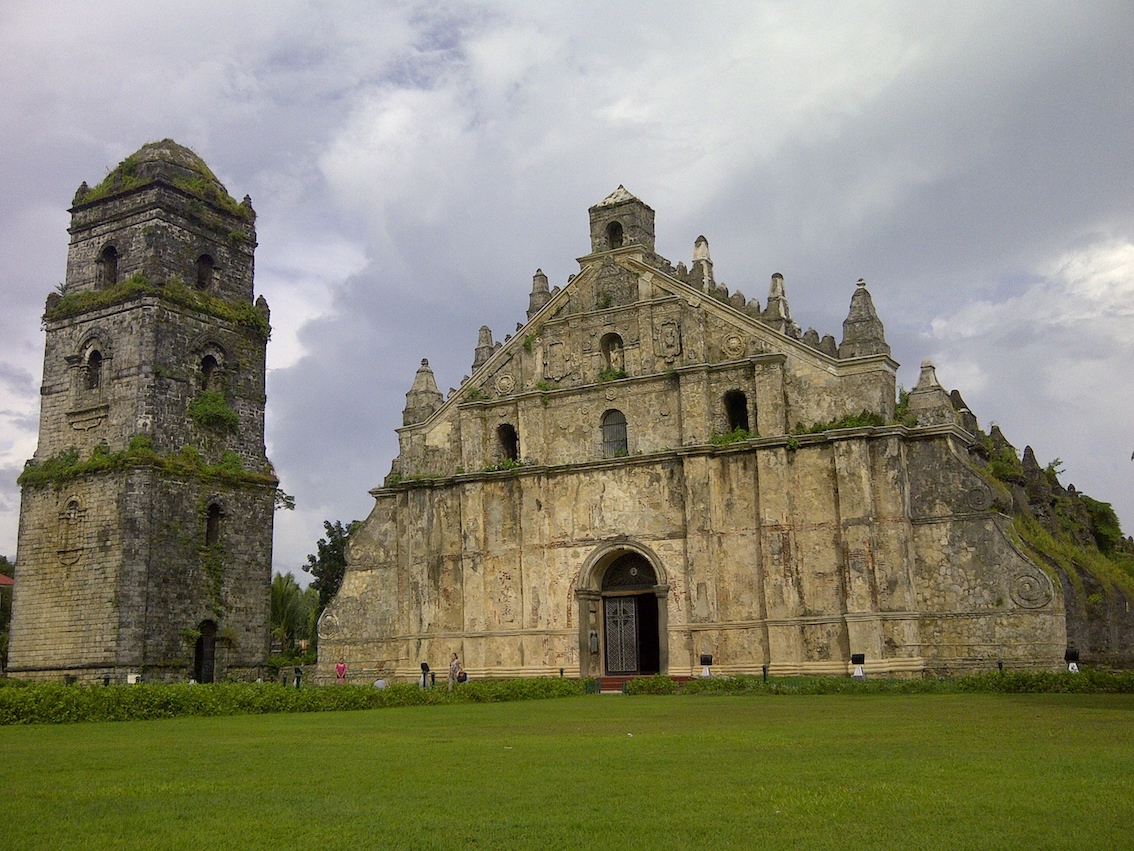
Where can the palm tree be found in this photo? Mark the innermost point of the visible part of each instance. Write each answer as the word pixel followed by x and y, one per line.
pixel 289 617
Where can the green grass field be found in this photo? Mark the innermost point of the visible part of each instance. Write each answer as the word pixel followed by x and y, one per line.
pixel 830 771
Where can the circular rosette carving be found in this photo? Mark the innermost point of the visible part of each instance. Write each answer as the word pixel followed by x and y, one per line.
pixel 734 346
pixel 505 384
pixel 1030 591
pixel 979 498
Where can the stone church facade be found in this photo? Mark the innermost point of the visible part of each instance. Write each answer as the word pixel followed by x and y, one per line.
pixel 145 535
pixel 652 469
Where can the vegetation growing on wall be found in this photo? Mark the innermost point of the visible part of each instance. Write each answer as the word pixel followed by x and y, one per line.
pixel 1115 570
pixel 902 415
pixel 122 178
pixel 506 464
pixel 209 190
pixel 475 394
pixel 210 410
pixel 67 465
pixel 530 339
pixel 239 312
pixel 127 176
pixel 737 435
pixel 1060 528
pixel 863 419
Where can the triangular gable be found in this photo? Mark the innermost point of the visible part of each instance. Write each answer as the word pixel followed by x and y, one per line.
pixel 510 347
pixel 581 288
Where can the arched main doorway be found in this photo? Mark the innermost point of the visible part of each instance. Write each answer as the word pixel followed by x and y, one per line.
pixel 630 617
pixel 623 616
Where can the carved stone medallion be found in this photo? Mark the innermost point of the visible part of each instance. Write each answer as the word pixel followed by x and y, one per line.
pixel 505 384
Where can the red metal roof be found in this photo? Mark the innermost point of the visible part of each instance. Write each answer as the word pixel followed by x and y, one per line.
pixel 5 580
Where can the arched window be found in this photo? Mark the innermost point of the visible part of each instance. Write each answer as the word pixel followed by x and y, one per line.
pixel 509 442
pixel 614 443
pixel 614 235
pixel 205 266
pixel 736 409
pixel 94 370
pixel 613 357
pixel 210 375
pixel 108 267
pixel 213 525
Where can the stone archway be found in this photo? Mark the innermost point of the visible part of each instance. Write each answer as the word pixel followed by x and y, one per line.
pixel 623 613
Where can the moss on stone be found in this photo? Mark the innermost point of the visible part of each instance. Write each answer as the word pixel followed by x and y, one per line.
pixel 863 419
pixel 169 163
pixel 210 410
pixel 239 312
pixel 67 466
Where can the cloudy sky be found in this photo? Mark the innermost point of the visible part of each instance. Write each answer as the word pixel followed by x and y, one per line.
pixel 412 164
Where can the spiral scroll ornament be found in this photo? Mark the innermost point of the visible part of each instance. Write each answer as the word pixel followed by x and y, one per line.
pixel 979 498
pixel 1030 591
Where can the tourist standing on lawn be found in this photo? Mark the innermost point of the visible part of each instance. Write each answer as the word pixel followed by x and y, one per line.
pixel 454 670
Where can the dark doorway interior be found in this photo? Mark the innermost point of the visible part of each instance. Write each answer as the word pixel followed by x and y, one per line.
pixel 630 617
pixel 648 651
pixel 204 658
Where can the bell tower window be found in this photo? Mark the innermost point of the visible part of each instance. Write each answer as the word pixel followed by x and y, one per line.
pixel 614 235
pixel 213 525
pixel 210 377
pixel 205 267
pixel 509 442
pixel 94 370
pixel 736 409
pixel 108 267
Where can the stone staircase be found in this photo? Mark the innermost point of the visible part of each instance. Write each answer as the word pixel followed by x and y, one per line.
pixel 614 684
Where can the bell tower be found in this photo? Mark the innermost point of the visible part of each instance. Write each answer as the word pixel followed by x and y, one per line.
pixel 145 540
pixel 620 220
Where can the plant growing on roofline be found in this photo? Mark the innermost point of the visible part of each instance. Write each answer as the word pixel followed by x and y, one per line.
pixel 737 435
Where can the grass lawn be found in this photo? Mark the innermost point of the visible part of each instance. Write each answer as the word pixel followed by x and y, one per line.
pixel 829 771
